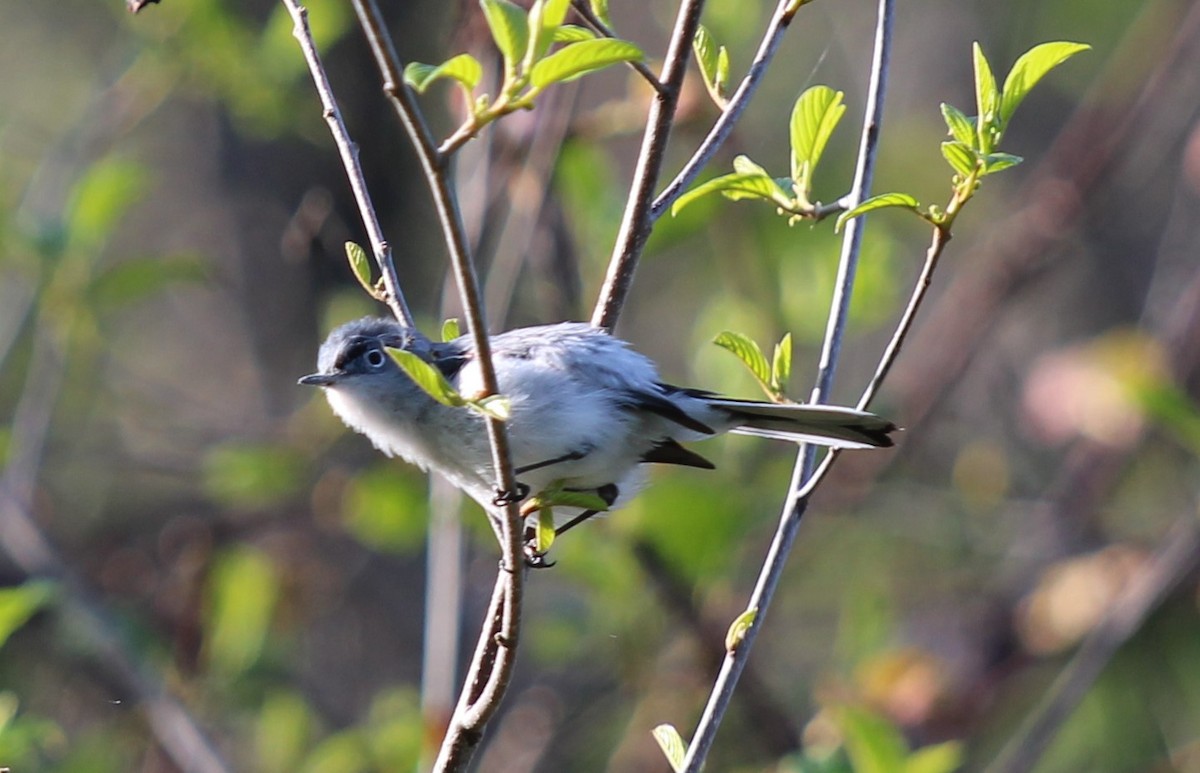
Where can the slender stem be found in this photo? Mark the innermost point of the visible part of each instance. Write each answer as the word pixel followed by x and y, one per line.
pixel 864 174
pixel 803 482
pixel 734 108
pixel 941 237
pixel 502 631
pixel 349 153
pixel 636 223
pixel 597 24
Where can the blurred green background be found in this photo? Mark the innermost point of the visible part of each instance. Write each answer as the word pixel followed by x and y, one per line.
pixel 172 215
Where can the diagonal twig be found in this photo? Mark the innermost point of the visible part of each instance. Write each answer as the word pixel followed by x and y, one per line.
pixel 349 153
pixel 803 481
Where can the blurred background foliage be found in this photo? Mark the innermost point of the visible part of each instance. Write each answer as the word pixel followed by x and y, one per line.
pixel 171 222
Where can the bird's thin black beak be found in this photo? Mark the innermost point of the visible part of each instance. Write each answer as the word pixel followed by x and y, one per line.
pixel 318 380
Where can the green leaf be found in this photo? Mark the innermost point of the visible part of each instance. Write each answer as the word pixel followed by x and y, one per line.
pixel 673 746
pixel 1029 69
pixel 19 604
pixel 545 17
pixel 450 329
pixel 579 59
pixel 600 8
pixel 573 33
pixel 961 127
pixel 713 61
pixel 987 100
pixel 496 406
pixel 242 590
pixel 557 496
pixel 138 278
pixel 881 201
pixel 544 533
pixel 510 29
pixel 252 476
pixel 740 185
pixel 429 378
pixel 747 350
pixel 463 68
pixel 781 365
pixel 873 744
pixel 100 199
pixel 997 162
pixel 960 157
pixel 944 757
pixel 814 117
pixel 360 265
pixel 738 628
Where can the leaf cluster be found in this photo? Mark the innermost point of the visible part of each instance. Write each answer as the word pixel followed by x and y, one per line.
pixel 815 115
pixel 773 376
pixel 527 42
pixel 973 150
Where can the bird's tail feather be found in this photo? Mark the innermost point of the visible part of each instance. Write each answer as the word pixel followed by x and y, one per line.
pixel 825 425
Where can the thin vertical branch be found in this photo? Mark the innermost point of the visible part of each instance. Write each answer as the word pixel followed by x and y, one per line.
pixel 802 483
pixel 723 126
pixel 500 632
pixel 636 223
pixel 349 153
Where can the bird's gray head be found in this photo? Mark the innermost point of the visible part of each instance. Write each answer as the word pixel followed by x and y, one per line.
pixel 357 352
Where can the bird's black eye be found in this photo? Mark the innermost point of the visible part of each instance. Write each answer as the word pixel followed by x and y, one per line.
pixel 375 358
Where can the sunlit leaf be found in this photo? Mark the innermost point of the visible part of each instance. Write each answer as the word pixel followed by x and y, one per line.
pixel 673 746
pixel 242 590
pixel 509 24
pixel 781 364
pixel 495 406
pixel 545 17
pixel 960 157
pixel 944 757
pixel 360 266
pixel 426 376
pixel 20 603
pixel 902 200
pixel 747 350
pixel 814 117
pixel 584 500
pixel 600 8
pixel 1029 69
pixel 713 61
pixel 101 198
pixel 252 476
pixel 738 628
pixel 961 127
pixel 573 33
pixel 544 533
pixel 987 101
pixel 997 162
pixel 579 59
pixel 138 278
pixel 740 185
pixel 282 732
pixel 386 509
pixel 450 329
pixel 463 68
pixel 873 744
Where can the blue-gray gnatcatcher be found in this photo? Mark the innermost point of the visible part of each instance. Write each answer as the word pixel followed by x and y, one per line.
pixel 586 410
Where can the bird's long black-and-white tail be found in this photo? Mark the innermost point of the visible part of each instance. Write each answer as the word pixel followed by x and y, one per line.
pixel 825 425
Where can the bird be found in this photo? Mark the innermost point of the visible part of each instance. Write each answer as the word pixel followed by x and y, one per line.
pixel 586 411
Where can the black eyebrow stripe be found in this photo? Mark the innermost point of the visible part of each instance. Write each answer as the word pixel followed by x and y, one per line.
pixel 352 351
